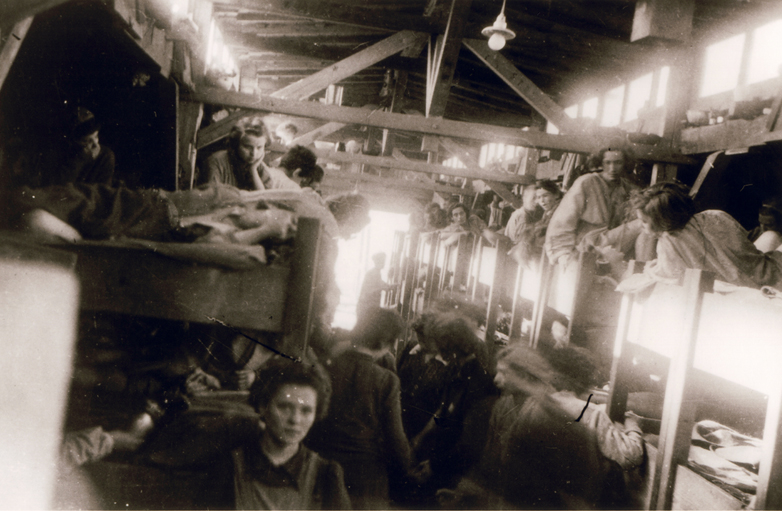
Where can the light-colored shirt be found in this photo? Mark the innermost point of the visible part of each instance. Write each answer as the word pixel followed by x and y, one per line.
pixel 222 168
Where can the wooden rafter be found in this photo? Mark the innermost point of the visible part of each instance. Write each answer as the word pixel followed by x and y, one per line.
pixel 13 41
pixel 338 12
pixel 435 126
pixel 419 166
pixel 320 80
pixel 398 184
pixel 13 11
pixel 443 55
pixel 521 85
pixel 468 157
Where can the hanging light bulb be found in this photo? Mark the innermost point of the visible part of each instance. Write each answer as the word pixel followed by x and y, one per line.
pixel 499 32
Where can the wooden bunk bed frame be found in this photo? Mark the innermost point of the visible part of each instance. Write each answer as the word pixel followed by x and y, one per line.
pixel 141 282
pixel 704 321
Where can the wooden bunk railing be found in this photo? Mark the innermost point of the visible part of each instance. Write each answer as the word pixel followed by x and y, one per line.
pixel 706 337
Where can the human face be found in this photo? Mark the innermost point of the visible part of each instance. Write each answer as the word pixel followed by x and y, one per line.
pixel 89 145
pixel 767 223
pixel 613 165
pixel 546 199
pixel 290 414
pixel 646 222
pixel 459 216
pixel 252 149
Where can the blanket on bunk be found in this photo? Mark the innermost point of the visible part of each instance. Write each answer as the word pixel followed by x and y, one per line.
pixel 215 224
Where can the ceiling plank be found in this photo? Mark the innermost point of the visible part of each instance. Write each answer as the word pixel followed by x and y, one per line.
pixel 339 12
pixel 391 183
pixel 322 79
pixel 522 85
pixel 576 143
pixel 468 157
pixel 444 56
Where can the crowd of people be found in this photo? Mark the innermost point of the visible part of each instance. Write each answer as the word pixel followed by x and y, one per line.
pixel 376 419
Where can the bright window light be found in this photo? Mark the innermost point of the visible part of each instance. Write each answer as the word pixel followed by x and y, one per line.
pixel 354 260
pixel 572 111
pixel 589 108
pixel 765 61
pixel 612 110
pixel 662 86
pixel 637 96
pixel 721 66
pixel 484 156
pixel 551 129
pixel 453 162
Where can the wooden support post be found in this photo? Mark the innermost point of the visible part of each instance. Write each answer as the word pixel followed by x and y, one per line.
pixel 616 404
pixel 678 409
pixel 587 266
pixel 541 301
pixel 703 174
pixel 447 252
pixel 496 292
pixel 769 492
pixel 301 290
pixel 11 44
pixel 516 318
pixel 429 286
pixel 443 57
pixel 410 269
pixel 190 115
pixel 478 258
pixel 462 268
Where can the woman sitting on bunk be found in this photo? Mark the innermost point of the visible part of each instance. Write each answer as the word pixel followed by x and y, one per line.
pixel 710 240
pixel 462 223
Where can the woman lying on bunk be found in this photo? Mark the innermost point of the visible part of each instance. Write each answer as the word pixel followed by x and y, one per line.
pixel 547 448
pixel 710 240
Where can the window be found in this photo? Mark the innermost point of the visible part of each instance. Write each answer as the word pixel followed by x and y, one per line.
pixel 589 108
pixel 722 65
pixel 638 94
pixel 551 129
pixel 572 111
pixel 612 111
pixel 662 86
pixel 453 162
pixel 766 57
pixel 498 153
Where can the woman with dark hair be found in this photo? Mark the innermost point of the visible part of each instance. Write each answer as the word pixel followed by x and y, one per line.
pixel 464 222
pixel 533 236
pixel 767 236
pixel 241 165
pixel 596 201
pixel 363 430
pixel 710 240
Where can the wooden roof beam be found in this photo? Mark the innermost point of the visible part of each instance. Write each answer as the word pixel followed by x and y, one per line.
pixel 420 166
pixel 11 44
pixel 522 85
pixel 343 13
pixel 575 143
pixel 443 56
pixel 468 157
pixel 320 80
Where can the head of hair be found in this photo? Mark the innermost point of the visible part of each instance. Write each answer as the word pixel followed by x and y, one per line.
pixel 83 123
pixel 615 148
pixel 667 205
pixel 379 258
pixel 378 328
pixel 350 210
pixel 435 216
pixel 567 368
pixel 455 206
pixel 253 127
pixel 454 337
pixel 314 175
pixel 287 127
pixel 280 371
pixel 550 186
pixel 464 308
pixel 298 157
